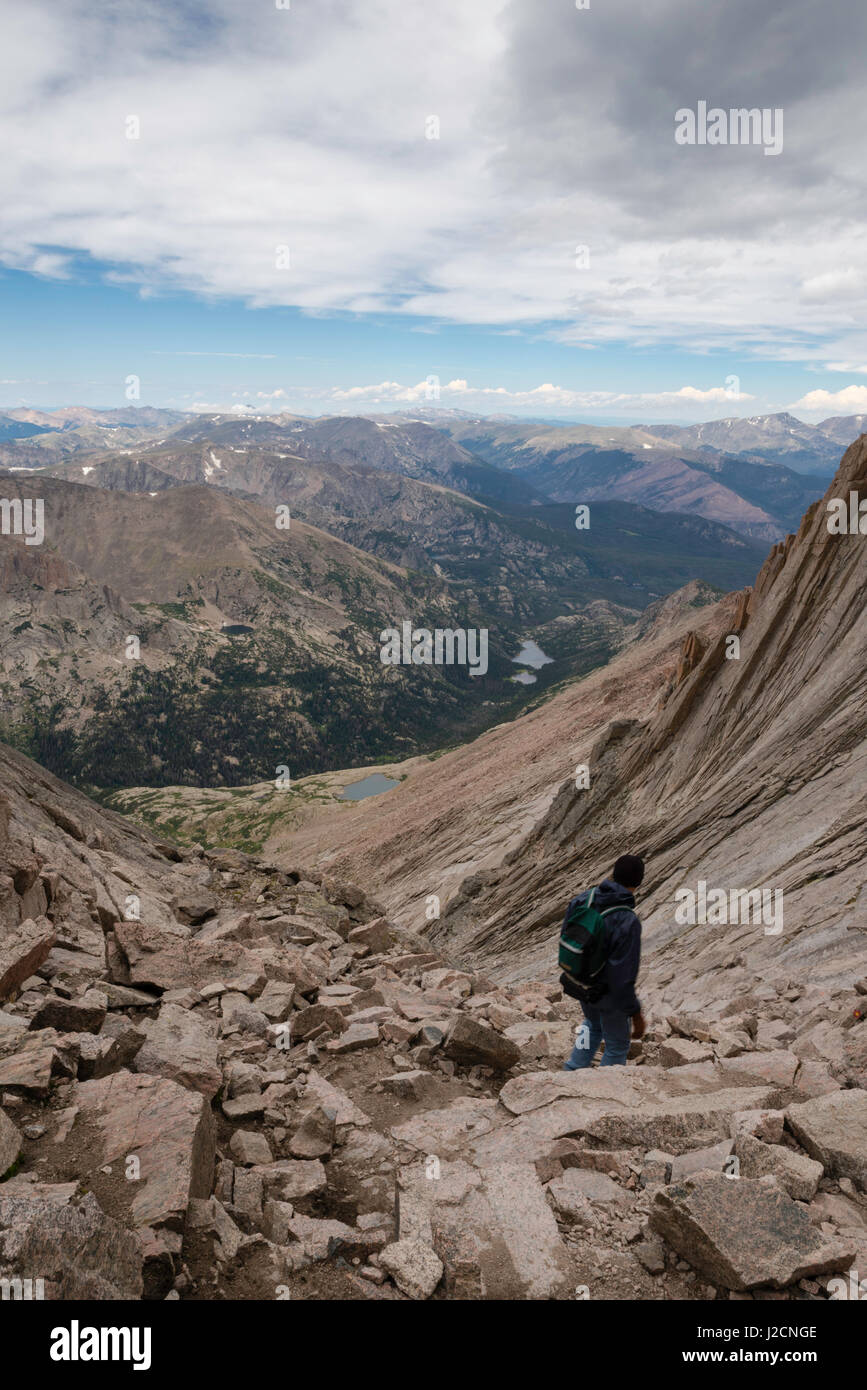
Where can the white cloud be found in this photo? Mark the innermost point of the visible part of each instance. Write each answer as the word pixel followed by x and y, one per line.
pixel 692 393
pixel 305 128
pixel 850 398
pixel 547 396
pixel 219 408
pixel 835 284
pixel 260 356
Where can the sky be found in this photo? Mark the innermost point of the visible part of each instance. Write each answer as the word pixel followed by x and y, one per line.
pixel 357 205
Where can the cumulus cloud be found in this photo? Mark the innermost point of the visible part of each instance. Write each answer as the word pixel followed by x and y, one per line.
pixel 850 399
pixel 281 156
pixel 547 396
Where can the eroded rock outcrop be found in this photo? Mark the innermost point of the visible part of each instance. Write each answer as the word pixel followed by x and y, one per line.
pixel 749 779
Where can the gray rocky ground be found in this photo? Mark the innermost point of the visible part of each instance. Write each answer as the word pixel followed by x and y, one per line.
pixel 264 1088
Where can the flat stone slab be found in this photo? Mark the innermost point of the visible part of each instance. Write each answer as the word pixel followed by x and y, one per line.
pixel 537 1039
pixel 492 1228
pixel 711 1160
pixel 29 1061
pixel 743 1233
pixel 777 1067
pixel 447 1132
pixel 83 1015
pixel 570 1201
pixel 833 1130
pixel 471 1042
pixel 533 1263
pixel 244 1107
pixel 163 960
pixel 290 1179
pixel 321 1238
pixel 409 1085
pixel 169 1130
pixel 356 1038
pixel 678 1125
pixel 121 997
pixel 634 1106
pixel 179 1047
pixel 597 1187
pixel 414 1267
pixel 679 1052
pixel 608 1086
pixel 518 1142
pixel 11 1024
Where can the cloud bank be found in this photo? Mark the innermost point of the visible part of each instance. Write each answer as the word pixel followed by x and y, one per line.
pixel 283 156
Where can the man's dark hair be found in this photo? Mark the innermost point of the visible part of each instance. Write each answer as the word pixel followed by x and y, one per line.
pixel 628 871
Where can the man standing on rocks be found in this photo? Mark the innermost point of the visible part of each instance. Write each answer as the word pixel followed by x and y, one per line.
pixel 612 1012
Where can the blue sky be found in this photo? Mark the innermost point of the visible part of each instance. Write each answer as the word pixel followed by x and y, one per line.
pixel 77 341
pixel 311 209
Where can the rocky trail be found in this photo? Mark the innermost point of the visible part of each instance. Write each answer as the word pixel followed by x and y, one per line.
pixel 264 1089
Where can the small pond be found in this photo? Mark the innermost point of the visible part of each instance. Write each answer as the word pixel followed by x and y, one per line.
pixel 368 786
pixel 531 654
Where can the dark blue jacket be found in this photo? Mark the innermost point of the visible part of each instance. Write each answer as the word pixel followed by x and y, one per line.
pixel 623 939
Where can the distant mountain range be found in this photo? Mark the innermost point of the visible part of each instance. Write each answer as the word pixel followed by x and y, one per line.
pixel 33 438
pixel 761 497
pixel 518 558
pixel 768 439
pixel 166 531
pixel 176 543
pixel 754 474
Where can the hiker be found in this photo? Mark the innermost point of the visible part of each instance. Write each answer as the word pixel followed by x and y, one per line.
pixel 600 951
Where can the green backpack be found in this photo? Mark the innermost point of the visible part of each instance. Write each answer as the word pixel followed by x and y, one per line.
pixel 583 952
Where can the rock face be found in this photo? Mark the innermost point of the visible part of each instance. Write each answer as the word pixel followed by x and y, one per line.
pixel 796 1173
pixel 22 951
pixel 10 1144
pixel 743 1234
pixel 474 1043
pixel 749 771
pixel 76 1249
pixel 83 1015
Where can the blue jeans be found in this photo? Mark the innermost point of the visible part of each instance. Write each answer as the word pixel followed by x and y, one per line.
pixel 611 1027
